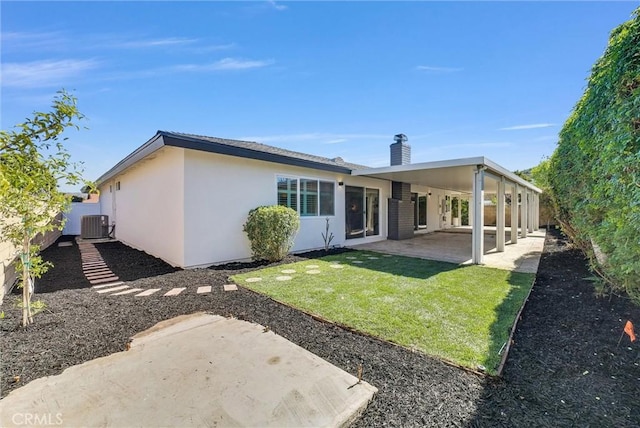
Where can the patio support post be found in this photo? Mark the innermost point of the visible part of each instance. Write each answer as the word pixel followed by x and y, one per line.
pixel 530 216
pixel 477 231
pixel 536 211
pixel 514 213
pixel 500 220
pixel 524 210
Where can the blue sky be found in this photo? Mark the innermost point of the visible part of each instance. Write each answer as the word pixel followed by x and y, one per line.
pixel 329 78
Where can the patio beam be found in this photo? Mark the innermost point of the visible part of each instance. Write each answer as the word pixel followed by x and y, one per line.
pixel 500 218
pixel 514 213
pixel 477 231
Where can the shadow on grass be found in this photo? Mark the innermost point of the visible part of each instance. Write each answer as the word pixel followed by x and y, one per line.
pixel 500 305
pixel 508 313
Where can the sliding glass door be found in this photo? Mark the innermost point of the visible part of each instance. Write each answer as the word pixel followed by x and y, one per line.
pixel 362 217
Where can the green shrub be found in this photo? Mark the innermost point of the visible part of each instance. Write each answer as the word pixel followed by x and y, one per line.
pixel 594 173
pixel 271 230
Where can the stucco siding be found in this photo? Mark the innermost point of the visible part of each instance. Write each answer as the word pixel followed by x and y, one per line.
pixel 220 191
pixel 147 205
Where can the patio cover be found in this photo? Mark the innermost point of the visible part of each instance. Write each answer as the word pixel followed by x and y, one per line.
pixel 467 176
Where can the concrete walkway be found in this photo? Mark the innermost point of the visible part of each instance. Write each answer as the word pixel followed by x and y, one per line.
pixel 454 246
pixel 192 371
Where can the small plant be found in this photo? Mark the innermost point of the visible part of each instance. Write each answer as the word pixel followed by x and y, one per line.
pixel 37 306
pixel 327 236
pixel 271 230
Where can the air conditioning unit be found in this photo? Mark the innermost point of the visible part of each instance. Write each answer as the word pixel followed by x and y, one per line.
pixel 94 226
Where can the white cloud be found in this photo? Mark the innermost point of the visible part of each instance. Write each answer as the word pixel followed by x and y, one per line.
pixel 44 73
pixel 35 40
pixel 225 64
pixel 438 69
pixel 213 48
pixel 152 43
pixel 276 6
pixel 529 126
pixel 337 141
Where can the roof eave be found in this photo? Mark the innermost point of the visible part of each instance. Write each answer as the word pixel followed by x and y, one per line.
pixel 152 145
pixel 163 138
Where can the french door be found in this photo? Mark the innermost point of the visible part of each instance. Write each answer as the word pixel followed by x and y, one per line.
pixel 420 211
pixel 362 216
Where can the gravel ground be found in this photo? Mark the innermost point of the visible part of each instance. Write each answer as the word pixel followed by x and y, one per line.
pixel 565 368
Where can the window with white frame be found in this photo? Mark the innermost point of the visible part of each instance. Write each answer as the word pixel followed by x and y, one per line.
pixel 308 197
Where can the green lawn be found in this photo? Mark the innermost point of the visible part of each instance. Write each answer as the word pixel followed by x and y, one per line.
pixel 460 313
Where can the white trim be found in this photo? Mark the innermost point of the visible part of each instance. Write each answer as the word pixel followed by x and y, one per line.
pixel 303 177
pixel 451 163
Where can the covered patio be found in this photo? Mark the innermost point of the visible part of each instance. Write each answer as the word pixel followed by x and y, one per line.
pixel 454 246
pixel 468 178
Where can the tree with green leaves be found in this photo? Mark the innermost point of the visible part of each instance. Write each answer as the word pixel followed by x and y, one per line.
pixel 33 163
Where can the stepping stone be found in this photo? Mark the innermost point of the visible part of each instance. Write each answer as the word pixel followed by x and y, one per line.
pixel 96 270
pixel 111 284
pixel 103 280
pixel 100 276
pixel 255 279
pixel 129 291
pixel 313 272
pixel 229 287
pixel 94 265
pixel 175 291
pixel 204 289
pixel 387 255
pixel 283 278
pixel 312 266
pixel 148 292
pixel 359 262
pixel 351 257
pixel 288 271
pixel 65 244
pixel 109 290
pixel 336 266
pixel 373 258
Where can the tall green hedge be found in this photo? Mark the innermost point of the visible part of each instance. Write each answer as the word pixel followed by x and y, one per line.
pixel 594 173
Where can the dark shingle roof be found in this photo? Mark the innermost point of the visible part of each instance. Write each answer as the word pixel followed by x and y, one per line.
pixel 250 146
pixel 245 149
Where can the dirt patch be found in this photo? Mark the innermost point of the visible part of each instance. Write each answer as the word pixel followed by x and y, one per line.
pixel 564 368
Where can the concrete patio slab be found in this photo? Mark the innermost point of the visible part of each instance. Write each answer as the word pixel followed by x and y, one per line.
pixel 454 246
pixel 196 370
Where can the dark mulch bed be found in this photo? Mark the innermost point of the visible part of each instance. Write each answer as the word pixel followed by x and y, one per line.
pixel 564 369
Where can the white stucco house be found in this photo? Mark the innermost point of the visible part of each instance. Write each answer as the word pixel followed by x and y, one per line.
pixel 184 198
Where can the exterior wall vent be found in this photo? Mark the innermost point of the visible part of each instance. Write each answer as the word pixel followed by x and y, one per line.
pixel 94 226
